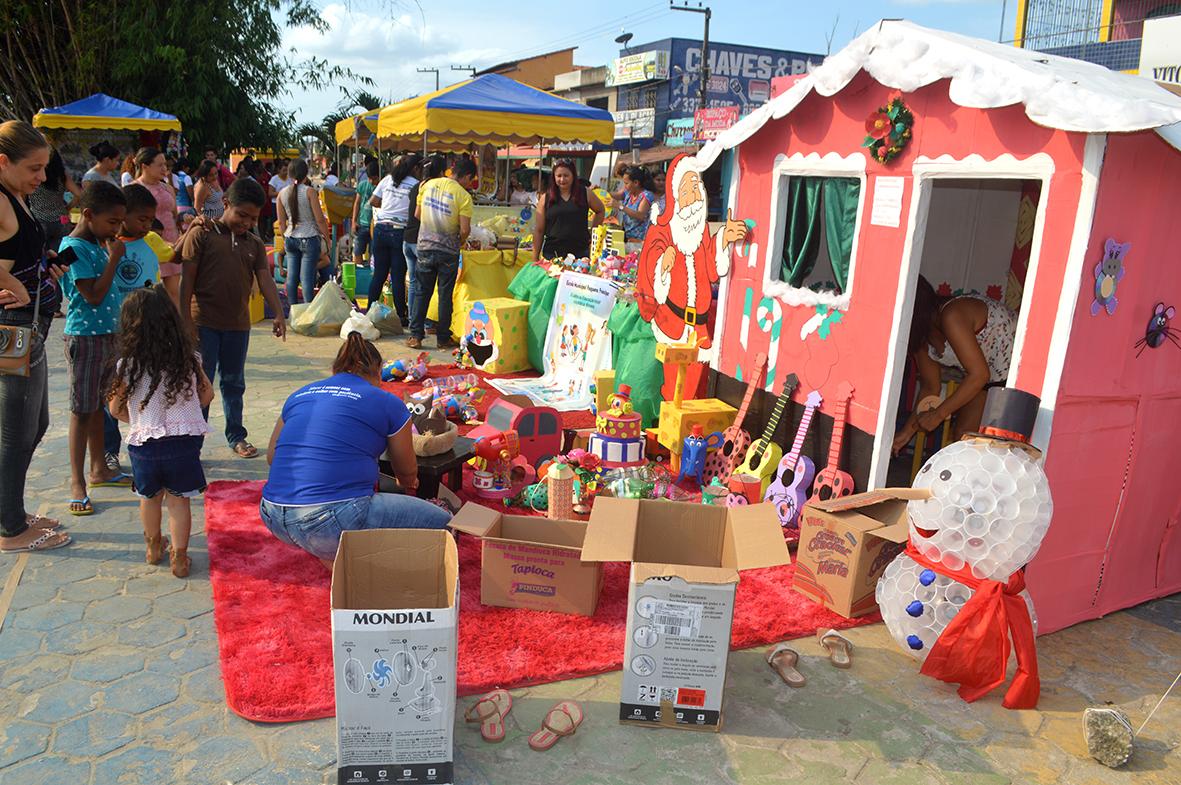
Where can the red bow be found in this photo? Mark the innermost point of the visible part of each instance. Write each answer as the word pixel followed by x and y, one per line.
pixel 973 651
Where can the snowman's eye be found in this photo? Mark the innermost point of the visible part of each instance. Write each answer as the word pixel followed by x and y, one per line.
pixel 926 468
pixel 945 475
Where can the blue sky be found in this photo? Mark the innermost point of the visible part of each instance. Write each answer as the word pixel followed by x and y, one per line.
pixel 388 40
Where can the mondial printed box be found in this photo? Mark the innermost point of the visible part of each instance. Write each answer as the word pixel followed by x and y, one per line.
pixel 395 609
pixel 531 562
pixel 685 562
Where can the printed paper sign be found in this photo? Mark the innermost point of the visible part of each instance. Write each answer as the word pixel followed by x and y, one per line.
pixel 577 345
pixel 887 201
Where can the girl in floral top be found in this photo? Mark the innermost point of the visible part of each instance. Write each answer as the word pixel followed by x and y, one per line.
pixel 159 388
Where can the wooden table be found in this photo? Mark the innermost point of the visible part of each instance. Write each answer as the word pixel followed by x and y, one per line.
pixel 447 467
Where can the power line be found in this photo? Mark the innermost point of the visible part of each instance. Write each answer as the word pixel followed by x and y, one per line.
pixel 434 71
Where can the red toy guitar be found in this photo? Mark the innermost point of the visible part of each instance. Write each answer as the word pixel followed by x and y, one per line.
pixel 722 462
pixel 832 481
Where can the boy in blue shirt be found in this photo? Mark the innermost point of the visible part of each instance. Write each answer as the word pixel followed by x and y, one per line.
pixel 94 253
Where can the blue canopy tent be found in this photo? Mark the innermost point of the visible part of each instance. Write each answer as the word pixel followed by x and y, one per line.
pixel 103 111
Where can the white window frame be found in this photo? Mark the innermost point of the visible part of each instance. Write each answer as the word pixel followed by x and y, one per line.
pixel 810 165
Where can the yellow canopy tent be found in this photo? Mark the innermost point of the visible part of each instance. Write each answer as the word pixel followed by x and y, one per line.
pixel 358 129
pixel 103 111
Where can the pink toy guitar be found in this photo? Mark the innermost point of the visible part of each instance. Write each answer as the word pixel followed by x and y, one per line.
pixel 789 496
pixel 722 462
pixel 831 481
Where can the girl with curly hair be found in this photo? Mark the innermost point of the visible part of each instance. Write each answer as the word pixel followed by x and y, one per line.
pixel 158 387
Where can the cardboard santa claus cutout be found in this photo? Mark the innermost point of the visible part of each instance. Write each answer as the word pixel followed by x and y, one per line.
pixel 681 261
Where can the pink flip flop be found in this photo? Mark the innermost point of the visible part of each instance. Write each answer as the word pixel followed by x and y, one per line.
pixel 490 711
pixel 562 720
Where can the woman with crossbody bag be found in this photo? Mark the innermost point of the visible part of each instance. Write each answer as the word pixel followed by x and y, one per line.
pixel 28 298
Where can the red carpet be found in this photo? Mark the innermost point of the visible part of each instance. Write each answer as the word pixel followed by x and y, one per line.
pixel 271 609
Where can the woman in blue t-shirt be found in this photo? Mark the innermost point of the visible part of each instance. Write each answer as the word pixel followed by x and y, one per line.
pixel 323 456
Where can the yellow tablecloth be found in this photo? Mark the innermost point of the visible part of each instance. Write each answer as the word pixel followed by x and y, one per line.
pixel 482 275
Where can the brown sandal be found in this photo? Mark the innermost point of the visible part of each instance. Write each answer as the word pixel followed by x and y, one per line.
pixel 178 559
pixel 156 547
pixel 838 647
pixel 490 711
pixel 562 720
pixel 783 660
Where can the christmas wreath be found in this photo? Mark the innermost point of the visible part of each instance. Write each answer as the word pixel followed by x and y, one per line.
pixel 888 129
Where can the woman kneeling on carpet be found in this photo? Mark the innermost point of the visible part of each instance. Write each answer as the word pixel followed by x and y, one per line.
pixel 323 456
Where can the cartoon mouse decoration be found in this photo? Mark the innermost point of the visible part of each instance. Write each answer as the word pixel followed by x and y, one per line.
pixel 1158 329
pixel 1108 273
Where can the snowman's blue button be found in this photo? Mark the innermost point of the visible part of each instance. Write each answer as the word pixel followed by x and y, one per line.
pixel 927 577
pixel 915 609
pixel 914 642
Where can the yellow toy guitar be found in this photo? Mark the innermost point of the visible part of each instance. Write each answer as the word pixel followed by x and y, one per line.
pixel 763 456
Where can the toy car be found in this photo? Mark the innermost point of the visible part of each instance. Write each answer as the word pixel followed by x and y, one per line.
pixel 538 427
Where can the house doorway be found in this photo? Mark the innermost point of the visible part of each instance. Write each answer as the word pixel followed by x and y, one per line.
pixel 974 239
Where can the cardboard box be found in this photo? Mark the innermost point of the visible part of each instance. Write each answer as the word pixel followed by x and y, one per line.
pixel 685 562
pixel 395 609
pixel 677 423
pixel 508 330
pixel 845 545
pixel 531 562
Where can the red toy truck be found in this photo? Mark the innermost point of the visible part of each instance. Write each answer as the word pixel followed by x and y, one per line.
pixel 538 427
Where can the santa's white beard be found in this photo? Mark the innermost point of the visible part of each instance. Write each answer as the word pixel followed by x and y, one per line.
pixel 688 227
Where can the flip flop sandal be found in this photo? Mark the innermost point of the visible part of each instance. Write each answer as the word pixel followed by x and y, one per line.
pixel 783 660
pixel 562 720
pixel 490 711
pixel 42 523
pixel 245 449
pixel 42 543
pixel 120 480
pixel 839 648
pixel 87 507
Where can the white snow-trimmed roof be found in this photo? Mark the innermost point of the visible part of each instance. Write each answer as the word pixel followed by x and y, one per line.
pixel 1057 92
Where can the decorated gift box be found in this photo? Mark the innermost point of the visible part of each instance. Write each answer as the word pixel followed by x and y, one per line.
pixel 495 332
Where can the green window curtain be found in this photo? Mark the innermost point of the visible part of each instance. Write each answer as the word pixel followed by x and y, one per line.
pixel 801 240
pixel 840 218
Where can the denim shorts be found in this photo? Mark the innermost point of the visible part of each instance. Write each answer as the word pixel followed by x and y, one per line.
pixel 362 239
pixel 316 528
pixel 171 464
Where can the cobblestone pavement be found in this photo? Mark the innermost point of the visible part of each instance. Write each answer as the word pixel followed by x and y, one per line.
pixel 109 674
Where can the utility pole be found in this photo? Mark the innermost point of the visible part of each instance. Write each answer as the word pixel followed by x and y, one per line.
pixel 703 9
pixel 465 68
pixel 434 71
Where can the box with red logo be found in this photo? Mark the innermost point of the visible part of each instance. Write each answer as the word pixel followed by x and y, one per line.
pixel 680 602
pixel 845 545
pixel 531 562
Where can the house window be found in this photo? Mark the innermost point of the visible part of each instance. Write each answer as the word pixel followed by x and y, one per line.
pixel 819 219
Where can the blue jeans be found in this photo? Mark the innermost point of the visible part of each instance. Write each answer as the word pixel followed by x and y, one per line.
pixel 316 528
pixel 362 240
pixel 302 254
pixel 24 418
pixel 439 267
pixel 223 352
pixel 112 439
pixel 410 251
pixel 389 262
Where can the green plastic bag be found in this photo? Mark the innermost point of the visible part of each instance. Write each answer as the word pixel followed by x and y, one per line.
pixel 633 355
pixel 534 285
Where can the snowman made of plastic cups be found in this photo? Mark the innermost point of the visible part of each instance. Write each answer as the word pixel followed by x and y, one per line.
pixel 988 512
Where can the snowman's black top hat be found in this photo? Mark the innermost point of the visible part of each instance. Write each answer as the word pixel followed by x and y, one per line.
pixel 1009 415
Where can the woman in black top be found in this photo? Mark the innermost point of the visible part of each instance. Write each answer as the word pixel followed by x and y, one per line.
pixel 561 215
pixel 24 400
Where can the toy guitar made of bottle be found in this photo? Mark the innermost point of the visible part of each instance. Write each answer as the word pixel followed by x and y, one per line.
pixel 762 456
pixel 793 476
pixel 722 462
pixel 831 481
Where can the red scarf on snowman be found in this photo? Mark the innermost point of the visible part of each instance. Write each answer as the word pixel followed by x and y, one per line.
pixel 973 650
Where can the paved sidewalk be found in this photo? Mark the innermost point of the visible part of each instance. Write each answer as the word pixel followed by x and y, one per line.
pixel 109 674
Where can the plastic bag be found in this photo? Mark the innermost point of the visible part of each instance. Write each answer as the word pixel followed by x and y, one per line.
pixel 359 323
pixel 384 319
pixel 485 237
pixel 325 314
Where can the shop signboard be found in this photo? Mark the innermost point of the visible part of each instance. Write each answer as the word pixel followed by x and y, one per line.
pixel 708 123
pixel 1160 50
pixel 635 124
pixel 679 132
pixel 642 67
pixel 738 75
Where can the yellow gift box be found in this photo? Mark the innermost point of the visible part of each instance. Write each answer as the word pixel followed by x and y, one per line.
pixel 482 276
pixel 508 323
pixel 676 422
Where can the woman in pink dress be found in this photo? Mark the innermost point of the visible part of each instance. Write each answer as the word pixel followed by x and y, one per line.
pixel 153 175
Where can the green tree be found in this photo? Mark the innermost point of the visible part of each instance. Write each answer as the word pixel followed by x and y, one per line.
pixel 218 65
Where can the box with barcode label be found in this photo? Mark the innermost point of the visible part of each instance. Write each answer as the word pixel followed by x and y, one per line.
pixel 685 567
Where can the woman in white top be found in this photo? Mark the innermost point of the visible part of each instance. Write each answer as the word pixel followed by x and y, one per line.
pixel 304 228
pixel 391 211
